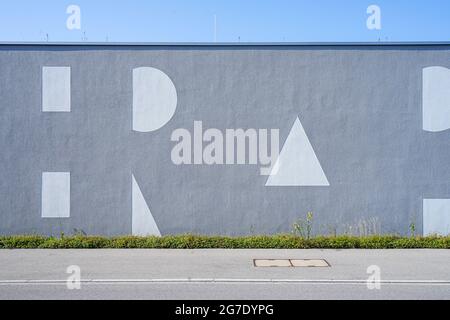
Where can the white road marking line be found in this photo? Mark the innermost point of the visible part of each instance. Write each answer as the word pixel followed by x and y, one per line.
pixel 193 281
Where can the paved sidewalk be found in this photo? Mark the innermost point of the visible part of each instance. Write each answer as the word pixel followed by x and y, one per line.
pixel 223 274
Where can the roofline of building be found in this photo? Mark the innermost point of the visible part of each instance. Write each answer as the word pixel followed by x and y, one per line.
pixel 227 44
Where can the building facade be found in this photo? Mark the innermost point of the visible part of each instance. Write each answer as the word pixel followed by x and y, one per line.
pixel 224 139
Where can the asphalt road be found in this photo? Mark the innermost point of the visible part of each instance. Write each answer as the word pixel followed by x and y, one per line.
pixel 223 274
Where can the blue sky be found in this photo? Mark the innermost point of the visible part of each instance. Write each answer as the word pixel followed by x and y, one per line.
pixel 244 20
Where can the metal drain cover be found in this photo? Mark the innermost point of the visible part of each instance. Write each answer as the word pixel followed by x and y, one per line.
pixel 286 263
pixel 318 263
pixel 267 263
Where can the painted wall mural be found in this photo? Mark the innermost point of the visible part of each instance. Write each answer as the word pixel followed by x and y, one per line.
pixel 149 140
pixel 436 99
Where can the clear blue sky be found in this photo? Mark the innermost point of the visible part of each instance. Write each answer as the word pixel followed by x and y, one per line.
pixel 249 20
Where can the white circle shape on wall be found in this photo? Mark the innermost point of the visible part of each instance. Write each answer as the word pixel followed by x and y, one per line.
pixel 154 99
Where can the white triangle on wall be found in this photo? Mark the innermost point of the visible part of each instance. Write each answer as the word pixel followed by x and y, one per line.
pixel 297 164
pixel 143 223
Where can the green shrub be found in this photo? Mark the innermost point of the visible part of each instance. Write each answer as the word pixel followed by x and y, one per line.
pixel 217 242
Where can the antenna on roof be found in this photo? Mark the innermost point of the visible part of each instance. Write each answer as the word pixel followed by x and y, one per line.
pixel 215 28
pixel 46 37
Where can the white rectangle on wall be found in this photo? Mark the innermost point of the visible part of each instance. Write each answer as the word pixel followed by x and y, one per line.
pixel 56 195
pixel 56 86
pixel 436 217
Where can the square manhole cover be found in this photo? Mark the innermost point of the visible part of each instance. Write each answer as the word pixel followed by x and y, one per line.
pixel 305 263
pixel 267 263
pixel 286 263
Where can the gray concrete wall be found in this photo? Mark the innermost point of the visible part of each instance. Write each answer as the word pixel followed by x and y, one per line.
pixel 360 106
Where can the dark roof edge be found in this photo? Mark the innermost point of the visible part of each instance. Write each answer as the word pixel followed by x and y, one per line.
pixel 228 44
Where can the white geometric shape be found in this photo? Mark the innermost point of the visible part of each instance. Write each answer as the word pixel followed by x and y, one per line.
pixel 154 99
pixel 297 164
pixel 436 217
pixel 436 99
pixel 55 195
pixel 143 223
pixel 56 89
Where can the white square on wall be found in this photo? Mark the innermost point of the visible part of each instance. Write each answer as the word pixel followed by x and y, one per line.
pixel 56 86
pixel 436 217
pixel 55 195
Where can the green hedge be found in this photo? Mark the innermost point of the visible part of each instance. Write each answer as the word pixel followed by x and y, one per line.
pixel 203 242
